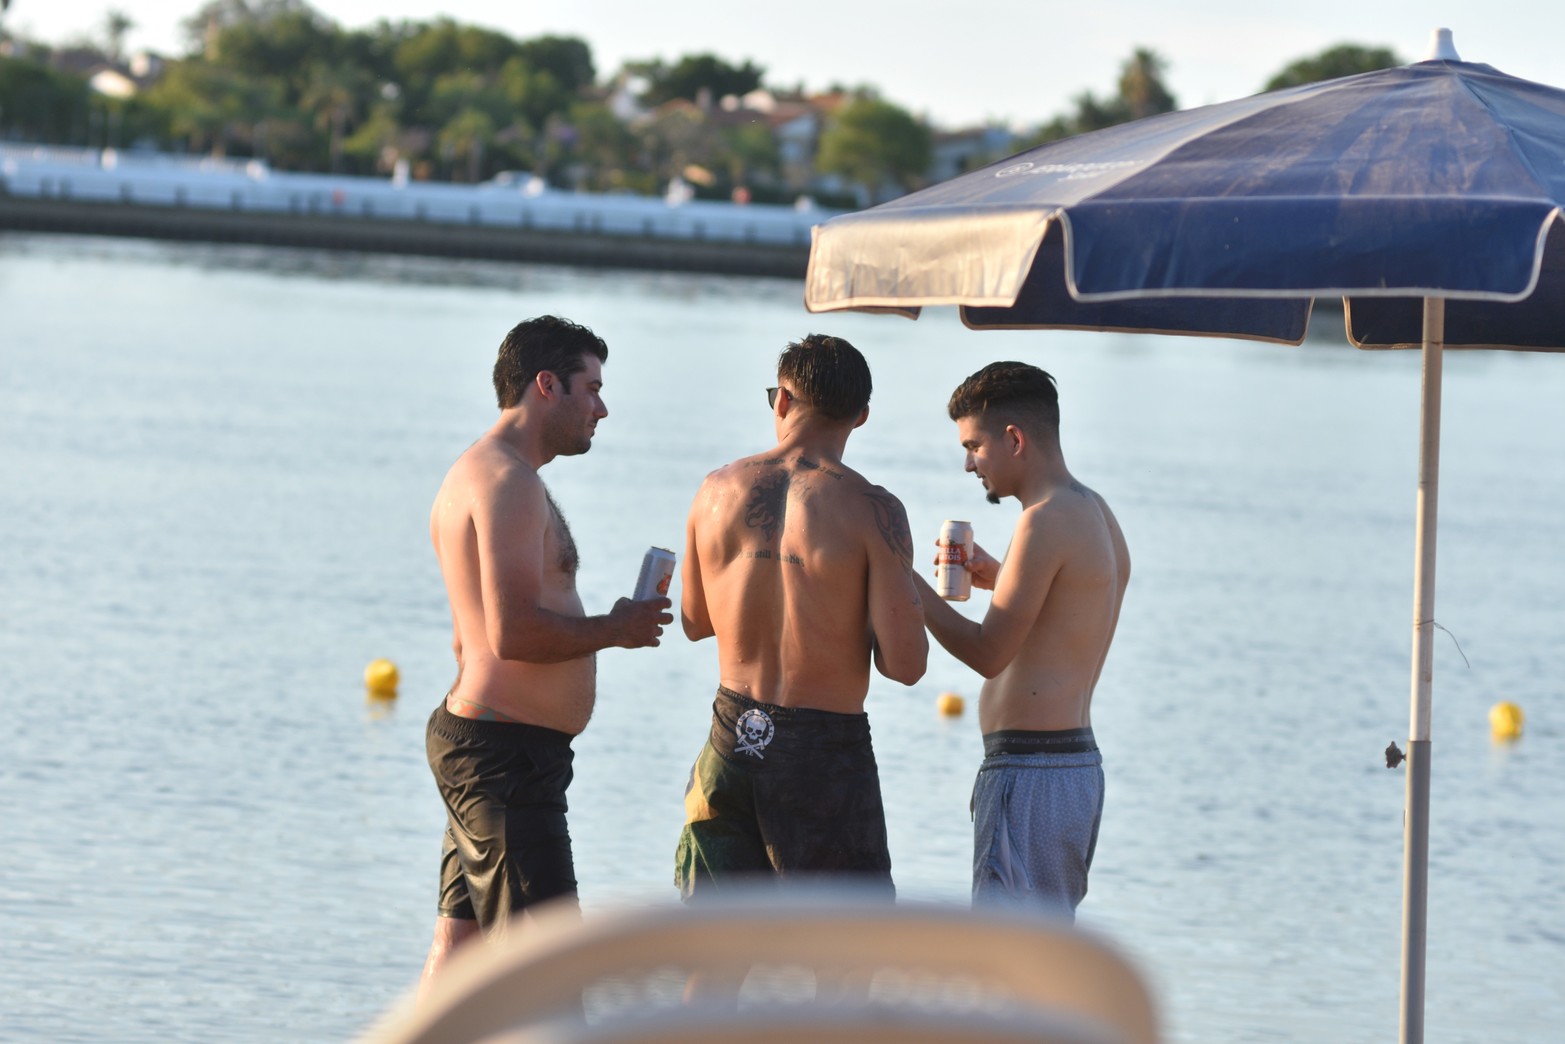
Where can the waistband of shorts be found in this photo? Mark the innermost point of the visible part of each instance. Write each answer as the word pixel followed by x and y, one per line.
pixel 1031 741
pixel 456 727
pixel 801 715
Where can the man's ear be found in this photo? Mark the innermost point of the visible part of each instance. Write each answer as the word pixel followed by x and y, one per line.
pixel 1018 439
pixel 546 383
pixel 862 418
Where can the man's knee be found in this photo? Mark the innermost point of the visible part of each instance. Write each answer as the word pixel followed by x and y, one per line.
pixel 451 932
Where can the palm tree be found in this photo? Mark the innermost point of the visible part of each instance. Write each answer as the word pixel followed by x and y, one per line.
pixel 332 95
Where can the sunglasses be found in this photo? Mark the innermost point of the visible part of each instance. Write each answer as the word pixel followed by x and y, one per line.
pixel 771 396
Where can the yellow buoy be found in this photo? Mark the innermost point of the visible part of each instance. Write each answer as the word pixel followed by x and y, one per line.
pixel 949 704
pixel 1505 720
pixel 381 678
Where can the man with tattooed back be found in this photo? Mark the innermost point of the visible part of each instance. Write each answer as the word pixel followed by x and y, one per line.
pixel 802 569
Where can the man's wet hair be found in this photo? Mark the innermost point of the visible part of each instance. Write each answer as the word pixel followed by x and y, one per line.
pixel 1004 393
pixel 828 374
pixel 544 344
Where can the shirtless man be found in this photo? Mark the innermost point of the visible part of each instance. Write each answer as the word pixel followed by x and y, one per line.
pixel 500 743
pixel 802 570
pixel 1041 646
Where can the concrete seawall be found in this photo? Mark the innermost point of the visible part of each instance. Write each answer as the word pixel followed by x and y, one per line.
pixel 338 231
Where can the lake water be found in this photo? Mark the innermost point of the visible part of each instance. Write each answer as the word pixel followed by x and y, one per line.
pixel 215 470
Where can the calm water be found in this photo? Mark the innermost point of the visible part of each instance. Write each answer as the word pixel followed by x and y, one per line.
pixel 215 471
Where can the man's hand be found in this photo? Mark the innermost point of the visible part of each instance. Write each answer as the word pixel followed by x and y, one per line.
pixel 639 624
pixel 984 568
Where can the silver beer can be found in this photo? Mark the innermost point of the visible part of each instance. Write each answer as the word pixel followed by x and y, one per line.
pixel 952 580
pixel 657 569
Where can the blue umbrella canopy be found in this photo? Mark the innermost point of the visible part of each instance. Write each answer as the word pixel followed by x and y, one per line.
pixel 1441 179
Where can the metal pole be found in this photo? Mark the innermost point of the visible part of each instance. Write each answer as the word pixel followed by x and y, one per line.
pixel 1415 817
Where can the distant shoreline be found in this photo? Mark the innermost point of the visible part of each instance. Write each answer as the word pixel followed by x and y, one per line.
pixel 430 239
pixel 158 196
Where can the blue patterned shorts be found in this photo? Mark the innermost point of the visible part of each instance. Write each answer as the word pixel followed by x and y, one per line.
pixel 1035 827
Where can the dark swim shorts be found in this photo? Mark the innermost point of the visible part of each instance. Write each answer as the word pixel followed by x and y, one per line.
pixel 782 791
pixel 506 844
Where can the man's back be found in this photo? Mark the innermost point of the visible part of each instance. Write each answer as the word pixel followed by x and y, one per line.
pixel 797 562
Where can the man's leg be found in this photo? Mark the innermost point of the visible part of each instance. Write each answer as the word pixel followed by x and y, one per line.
pixel 450 932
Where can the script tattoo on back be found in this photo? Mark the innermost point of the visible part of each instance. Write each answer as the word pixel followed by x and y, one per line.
pixel 891 520
pixel 768 504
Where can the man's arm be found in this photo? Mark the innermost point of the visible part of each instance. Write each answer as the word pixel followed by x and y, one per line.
pixel 693 610
pixel 1019 593
pixel 509 527
pixel 896 620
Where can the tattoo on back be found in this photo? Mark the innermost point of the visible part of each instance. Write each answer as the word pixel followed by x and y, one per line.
pixel 891 520
pixel 806 464
pixel 768 504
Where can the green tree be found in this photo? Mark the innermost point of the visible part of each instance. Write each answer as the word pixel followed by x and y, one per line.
pixel 116 26
pixel 333 96
pixel 872 142
pixel 375 145
pixel 534 93
pixel 38 103
pixel 694 73
pixel 1342 60
pixel 565 58
pixel 1141 89
pixel 211 107
pixel 466 137
pixel 604 150
pixel 751 155
pixel 1141 93
pixel 203 28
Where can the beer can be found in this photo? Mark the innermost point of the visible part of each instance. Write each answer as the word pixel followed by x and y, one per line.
pixel 952 580
pixel 657 569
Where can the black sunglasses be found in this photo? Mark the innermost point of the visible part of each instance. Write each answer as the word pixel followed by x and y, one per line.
pixel 771 396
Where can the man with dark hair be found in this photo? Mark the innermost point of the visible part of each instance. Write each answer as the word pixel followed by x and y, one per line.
pixel 802 570
pixel 499 744
pixel 1040 647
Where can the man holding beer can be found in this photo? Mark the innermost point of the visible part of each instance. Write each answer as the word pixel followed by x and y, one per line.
pixel 499 743
pixel 1041 645
pixel 802 569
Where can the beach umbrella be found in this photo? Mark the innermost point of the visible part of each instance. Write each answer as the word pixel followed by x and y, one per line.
pixel 1428 198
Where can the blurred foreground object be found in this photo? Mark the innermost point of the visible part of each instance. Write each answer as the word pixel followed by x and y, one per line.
pixel 800 964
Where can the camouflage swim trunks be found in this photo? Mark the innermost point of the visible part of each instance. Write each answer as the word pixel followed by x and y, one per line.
pixel 783 791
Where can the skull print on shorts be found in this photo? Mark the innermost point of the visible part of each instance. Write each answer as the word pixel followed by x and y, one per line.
pixel 754 730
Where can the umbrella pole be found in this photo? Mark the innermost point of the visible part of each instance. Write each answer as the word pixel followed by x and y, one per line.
pixel 1415 818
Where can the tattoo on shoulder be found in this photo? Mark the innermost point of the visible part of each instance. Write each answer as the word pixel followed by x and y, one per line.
pixel 768 504
pixel 806 464
pixel 766 462
pixel 1079 489
pixel 891 520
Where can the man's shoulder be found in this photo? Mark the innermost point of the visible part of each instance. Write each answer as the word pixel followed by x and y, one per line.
pixel 1071 511
pixel 489 469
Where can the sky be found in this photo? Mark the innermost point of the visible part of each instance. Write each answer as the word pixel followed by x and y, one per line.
pixel 957 64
